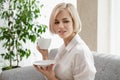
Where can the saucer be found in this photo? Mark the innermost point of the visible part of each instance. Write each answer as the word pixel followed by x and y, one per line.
pixel 44 63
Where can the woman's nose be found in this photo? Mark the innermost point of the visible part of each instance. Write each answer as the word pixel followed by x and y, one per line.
pixel 61 25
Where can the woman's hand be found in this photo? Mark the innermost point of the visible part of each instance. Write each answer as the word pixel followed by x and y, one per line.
pixel 44 52
pixel 47 71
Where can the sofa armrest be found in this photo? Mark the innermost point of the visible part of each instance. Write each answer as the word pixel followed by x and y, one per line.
pixel 24 73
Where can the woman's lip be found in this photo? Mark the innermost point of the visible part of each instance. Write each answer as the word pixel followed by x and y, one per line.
pixel 61 32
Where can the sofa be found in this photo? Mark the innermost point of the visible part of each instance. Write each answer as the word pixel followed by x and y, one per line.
pixel 107 65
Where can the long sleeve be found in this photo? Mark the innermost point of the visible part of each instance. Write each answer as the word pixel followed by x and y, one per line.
pixel 83 67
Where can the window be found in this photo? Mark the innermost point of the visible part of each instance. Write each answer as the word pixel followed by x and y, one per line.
pixel 109 26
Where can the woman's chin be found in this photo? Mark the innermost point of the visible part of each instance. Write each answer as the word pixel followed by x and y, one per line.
pixel 62 36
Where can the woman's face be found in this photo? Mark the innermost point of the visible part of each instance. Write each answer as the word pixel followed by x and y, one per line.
pixel 63 24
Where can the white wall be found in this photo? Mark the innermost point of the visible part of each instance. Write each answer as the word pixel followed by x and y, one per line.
pixel 88 13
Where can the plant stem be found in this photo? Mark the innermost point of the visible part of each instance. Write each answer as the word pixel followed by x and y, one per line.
pixel 17 52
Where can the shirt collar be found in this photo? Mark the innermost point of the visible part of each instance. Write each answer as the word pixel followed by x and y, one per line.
pixel 76 39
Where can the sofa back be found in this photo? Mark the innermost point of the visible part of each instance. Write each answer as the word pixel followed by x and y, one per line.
pixel 108 66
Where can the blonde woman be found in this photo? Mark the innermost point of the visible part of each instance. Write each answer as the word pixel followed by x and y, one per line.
pixel 74 60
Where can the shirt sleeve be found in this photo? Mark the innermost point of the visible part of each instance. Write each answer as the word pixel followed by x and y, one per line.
pixel 83 68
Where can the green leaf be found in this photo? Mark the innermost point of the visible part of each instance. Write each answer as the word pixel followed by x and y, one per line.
pixel 2 54
pixel 24 40
pixel 32 38
pixel 10 23
pixel 12 53
pixel 41 5
pixel 35 29
pixel 28 53
pixel 18 32
pixel 7 56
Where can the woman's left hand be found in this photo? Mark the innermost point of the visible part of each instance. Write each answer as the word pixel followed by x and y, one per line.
pixel 47 71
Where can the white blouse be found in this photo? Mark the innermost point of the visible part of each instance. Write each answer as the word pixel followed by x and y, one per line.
pixel 75 61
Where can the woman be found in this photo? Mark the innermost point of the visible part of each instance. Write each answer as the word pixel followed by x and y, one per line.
pixel 74 60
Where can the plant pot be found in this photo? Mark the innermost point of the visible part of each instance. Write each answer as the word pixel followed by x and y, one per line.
pixel 8 68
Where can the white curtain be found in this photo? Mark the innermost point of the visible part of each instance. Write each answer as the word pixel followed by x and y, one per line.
pixel 108 26
pixel 115 26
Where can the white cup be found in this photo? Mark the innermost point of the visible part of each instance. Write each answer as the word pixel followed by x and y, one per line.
pixel 44 43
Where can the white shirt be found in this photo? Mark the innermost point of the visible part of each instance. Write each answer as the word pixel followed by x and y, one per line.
pixel 75 61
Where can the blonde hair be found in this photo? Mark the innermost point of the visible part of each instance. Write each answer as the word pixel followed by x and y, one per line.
pixel 72 11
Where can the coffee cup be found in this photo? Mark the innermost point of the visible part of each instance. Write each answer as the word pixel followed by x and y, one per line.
pixel 44 43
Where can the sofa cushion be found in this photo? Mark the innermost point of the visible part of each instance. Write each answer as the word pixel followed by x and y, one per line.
pixel 24 73
pixel 108 66
pixel 53 53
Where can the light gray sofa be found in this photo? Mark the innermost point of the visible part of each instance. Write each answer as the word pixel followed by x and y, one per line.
pixel 107 65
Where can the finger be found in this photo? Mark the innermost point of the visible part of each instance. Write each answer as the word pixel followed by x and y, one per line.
pixel 46 67
pixel 50 67
pixel 38 48
pixel 36 67
pixel 42 70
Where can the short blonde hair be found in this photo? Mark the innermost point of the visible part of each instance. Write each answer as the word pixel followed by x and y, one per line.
pixel 72 11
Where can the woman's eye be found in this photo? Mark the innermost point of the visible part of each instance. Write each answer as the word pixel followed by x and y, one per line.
pixel 66 21
pixel 56 22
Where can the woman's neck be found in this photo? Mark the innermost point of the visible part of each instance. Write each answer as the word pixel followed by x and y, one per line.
pixel 68 39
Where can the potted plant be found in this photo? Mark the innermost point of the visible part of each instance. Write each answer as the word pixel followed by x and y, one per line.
pixel 19 16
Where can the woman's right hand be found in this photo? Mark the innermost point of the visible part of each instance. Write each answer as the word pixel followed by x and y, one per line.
pixel 44 52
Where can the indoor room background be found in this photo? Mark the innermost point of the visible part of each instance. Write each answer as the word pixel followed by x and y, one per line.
pixel 100 31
